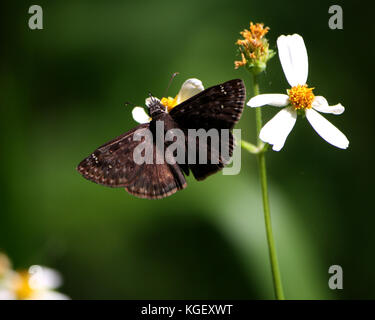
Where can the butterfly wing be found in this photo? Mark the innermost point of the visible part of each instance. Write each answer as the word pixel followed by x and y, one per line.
pixel 113 165
pixel 218 107
pixel 202 171
pixel 156 181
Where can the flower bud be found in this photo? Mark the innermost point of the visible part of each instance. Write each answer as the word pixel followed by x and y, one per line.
pixel 254 49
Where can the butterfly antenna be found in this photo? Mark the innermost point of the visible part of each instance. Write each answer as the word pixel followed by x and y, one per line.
pixel 170 82
pixel 127 103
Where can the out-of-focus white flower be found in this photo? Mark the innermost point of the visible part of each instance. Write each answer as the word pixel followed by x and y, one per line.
pixel 6 274
pixel 6 294
pixel 189 88
pixel 294 61
pixel 5 265
pixel 36 283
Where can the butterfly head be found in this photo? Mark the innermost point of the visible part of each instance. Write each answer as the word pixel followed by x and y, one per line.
pixel 155 107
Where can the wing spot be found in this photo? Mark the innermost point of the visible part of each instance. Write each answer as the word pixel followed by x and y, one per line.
pixel 223 90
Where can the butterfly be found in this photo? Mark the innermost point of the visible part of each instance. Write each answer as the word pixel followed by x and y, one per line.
pixel 112 164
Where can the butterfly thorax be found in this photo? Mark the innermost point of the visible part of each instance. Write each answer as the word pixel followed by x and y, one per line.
pixel 156 108
pixel 167 122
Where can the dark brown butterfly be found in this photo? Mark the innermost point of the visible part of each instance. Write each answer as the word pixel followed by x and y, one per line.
pixel 113 165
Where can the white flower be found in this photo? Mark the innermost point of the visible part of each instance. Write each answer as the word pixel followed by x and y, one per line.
pixel 294 61
pixel 6 276
pixel 7 294
pixel 190 88
pixel 37 283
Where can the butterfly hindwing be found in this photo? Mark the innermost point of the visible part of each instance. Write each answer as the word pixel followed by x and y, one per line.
pixel 156 181
pixel 222 154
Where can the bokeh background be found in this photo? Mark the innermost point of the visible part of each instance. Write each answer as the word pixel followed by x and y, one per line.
pixel 62 93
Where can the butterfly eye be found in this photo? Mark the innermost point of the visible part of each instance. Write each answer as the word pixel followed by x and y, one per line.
pixel 151 100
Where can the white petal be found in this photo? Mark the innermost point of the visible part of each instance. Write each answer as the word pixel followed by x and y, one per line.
pixel 5 264
pixel 278 128
pixel 140 115
pixel 293 58
pixel 189 88
pixel 48 295
pixel 43 278
pixel 272 99
pixel 320 104
pixel 6 294
pixel 326 129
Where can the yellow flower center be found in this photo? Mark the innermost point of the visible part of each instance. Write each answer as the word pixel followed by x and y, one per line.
pixel 301 97
pixel 169 103
pixel 22 286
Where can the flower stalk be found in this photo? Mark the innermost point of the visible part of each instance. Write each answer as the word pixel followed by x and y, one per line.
pixel 255 53
pixel 251 148
pixel 299 100
pixel 266 206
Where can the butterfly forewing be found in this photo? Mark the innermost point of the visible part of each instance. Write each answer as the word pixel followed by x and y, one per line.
pixel 217 107
pixel 112 164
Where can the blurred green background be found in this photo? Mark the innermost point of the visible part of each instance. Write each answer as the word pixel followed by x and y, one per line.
pixel 62 93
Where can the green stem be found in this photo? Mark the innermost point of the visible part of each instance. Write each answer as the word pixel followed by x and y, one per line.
pixel 266 207
pixel 249 147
